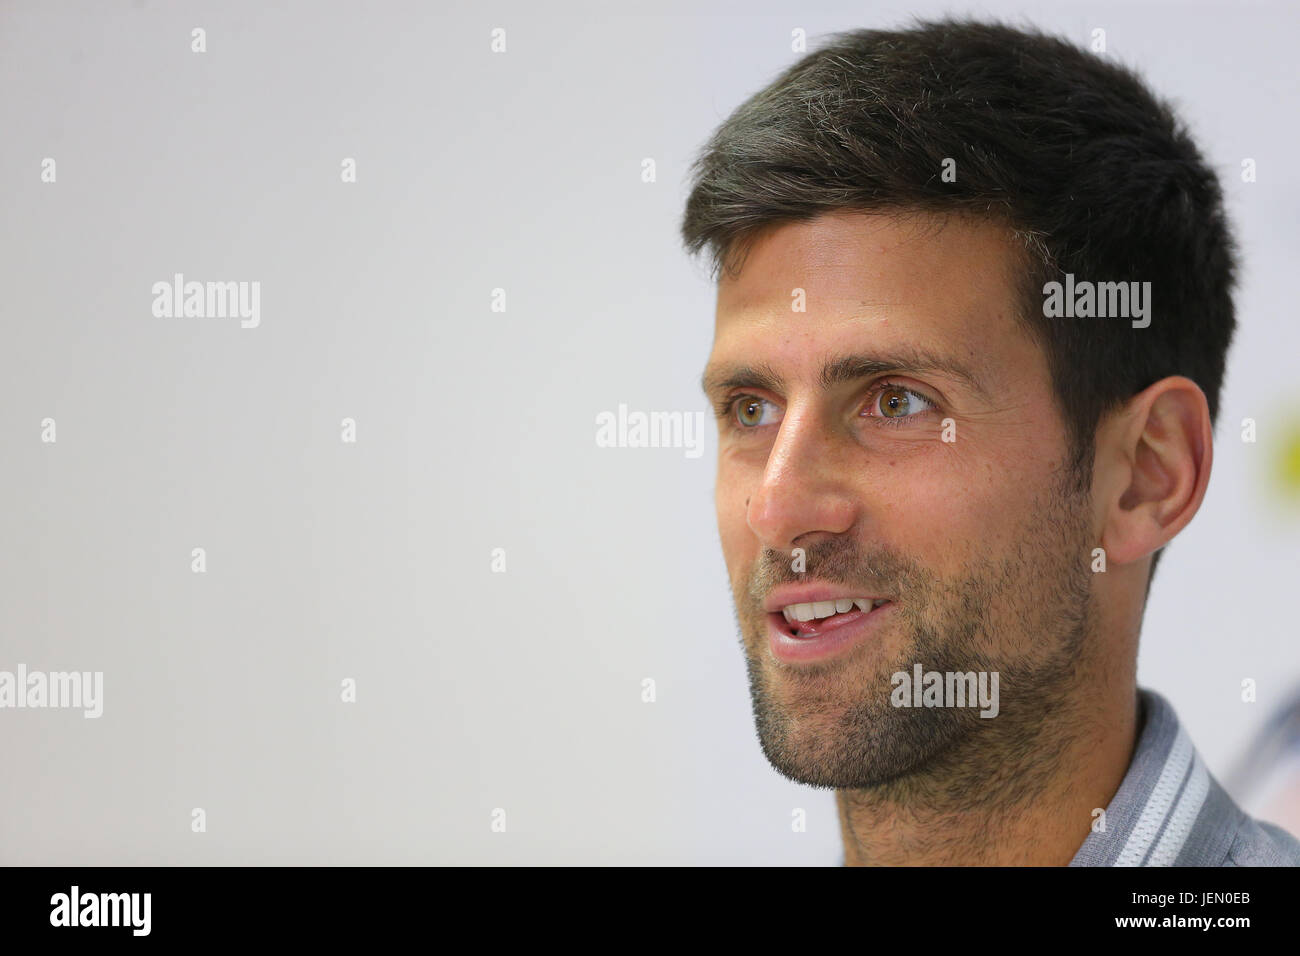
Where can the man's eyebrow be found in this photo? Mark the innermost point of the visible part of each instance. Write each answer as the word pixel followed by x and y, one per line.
pixel 853 367
pixel 725 378
pixel 843 371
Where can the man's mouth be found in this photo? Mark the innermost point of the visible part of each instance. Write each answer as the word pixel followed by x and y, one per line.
pixel 812 619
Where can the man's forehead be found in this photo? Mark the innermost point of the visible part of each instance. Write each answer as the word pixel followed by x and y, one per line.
pixel 848 265
pixel 870 284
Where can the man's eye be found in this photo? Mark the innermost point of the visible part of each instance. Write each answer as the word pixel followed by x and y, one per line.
pixel 752 412
pixel 895 402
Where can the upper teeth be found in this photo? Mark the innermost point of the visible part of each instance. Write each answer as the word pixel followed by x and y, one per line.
pixel 809 612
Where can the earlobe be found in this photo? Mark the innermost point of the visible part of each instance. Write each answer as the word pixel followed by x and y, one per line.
pixel 1163 452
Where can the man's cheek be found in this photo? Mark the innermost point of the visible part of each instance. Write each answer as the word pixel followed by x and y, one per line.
pixel 731 501
pixel 733 533
pixel 737 549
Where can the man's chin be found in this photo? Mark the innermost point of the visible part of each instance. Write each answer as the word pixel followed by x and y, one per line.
pixel 823 737
pixel 858 760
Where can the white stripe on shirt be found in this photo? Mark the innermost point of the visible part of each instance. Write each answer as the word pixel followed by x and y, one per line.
pixel 1159 802
pixel 1184 815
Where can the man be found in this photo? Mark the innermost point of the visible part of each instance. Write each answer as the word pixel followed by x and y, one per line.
pixel 972 320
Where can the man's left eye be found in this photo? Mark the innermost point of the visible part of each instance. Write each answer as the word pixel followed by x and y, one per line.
pixel 895 402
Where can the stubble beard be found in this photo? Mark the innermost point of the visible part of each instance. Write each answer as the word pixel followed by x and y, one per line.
pixel 817 728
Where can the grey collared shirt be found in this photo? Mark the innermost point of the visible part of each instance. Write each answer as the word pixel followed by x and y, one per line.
pixel 1170 811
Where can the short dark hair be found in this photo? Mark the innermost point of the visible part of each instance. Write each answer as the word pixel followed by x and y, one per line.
pixel 1092 173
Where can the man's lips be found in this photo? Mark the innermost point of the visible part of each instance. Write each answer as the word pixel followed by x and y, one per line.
pixel 814 620
pixel 820 639
pixel 811 592
pixel 809 603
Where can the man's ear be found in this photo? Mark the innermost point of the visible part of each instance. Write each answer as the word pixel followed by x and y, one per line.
pixel 1152 468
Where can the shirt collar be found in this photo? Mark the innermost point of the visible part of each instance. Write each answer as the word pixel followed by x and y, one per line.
pixel 1150 820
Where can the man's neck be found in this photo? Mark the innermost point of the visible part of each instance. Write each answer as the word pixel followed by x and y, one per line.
pixel 1075 766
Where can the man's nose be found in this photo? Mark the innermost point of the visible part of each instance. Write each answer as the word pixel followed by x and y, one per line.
pixel 804 489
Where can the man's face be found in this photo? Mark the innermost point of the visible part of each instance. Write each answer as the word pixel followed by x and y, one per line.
pixel 901 431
